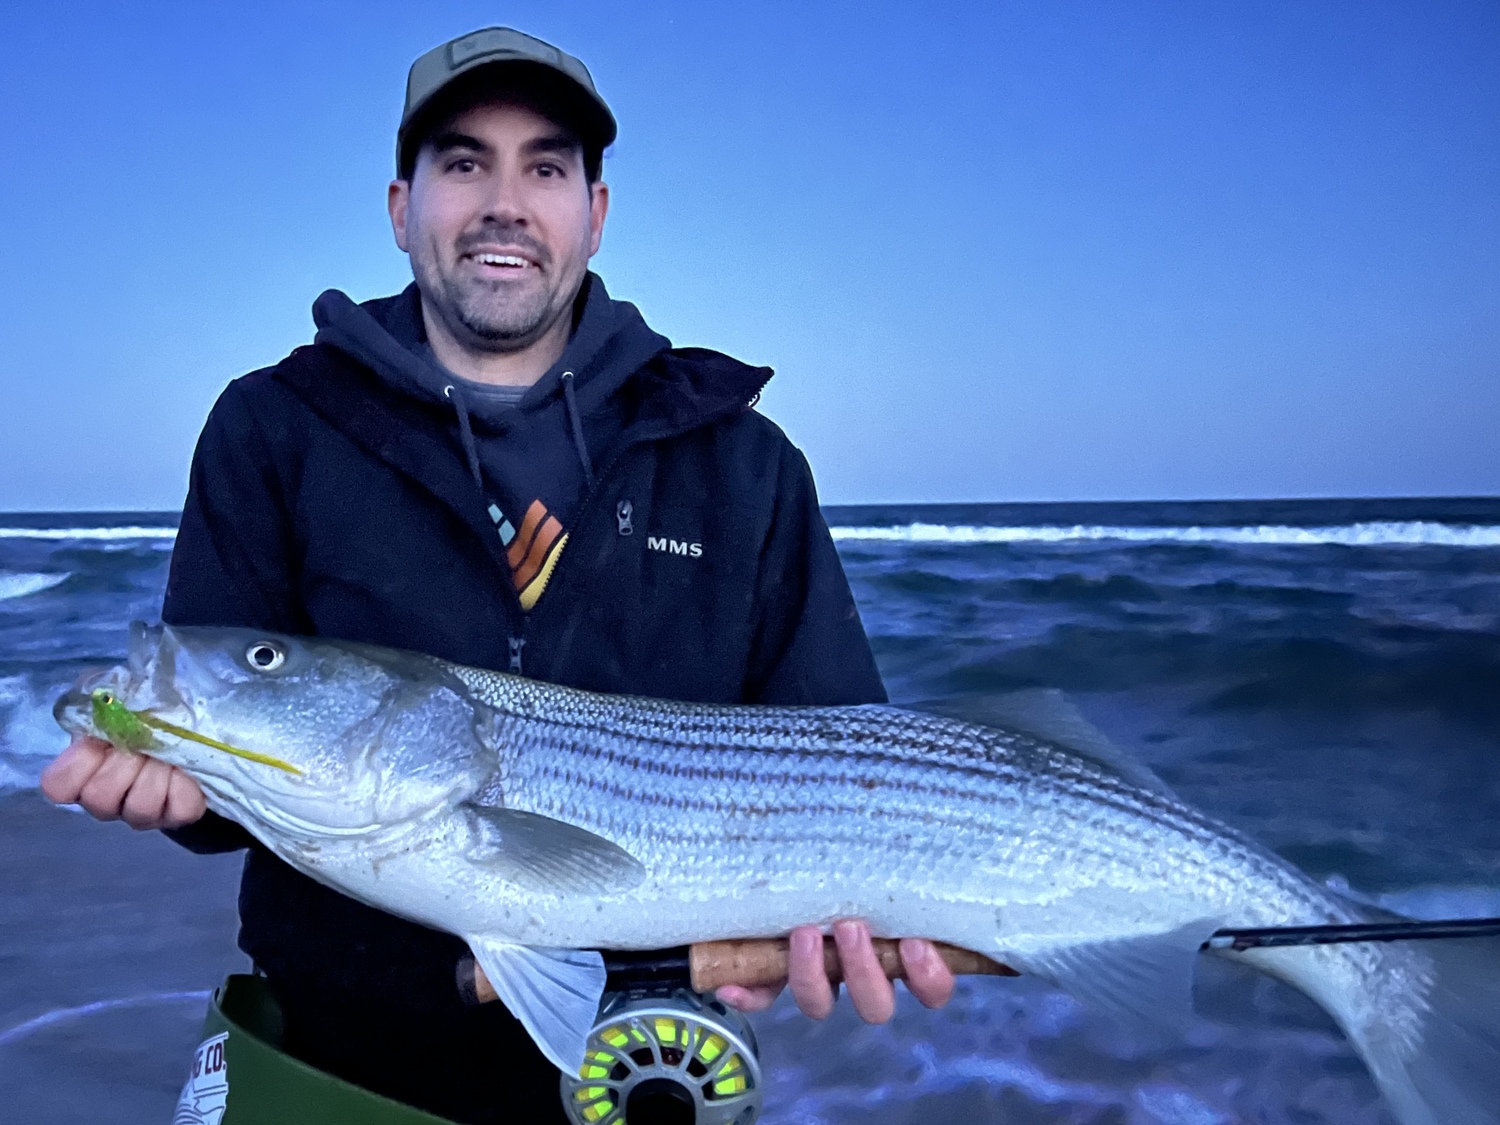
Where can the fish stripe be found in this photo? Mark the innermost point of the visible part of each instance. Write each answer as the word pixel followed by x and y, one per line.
pixel 675 783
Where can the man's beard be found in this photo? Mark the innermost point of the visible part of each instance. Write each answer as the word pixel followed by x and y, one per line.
pixel 495 316
pixel 491 316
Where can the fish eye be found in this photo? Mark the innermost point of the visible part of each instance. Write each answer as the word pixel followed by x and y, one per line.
pixel 265 656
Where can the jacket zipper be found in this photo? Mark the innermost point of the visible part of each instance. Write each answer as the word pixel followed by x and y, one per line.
pixel 515 616
pixel 516 636
pixel 624 525
pixel 624 515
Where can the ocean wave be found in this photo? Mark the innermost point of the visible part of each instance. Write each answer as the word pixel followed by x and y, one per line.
pixel 108 534
pixel 62 1015
pixel 1442 903
pixel 1412 533
pixel 1370 534
pixel 29 736
pixel 21 585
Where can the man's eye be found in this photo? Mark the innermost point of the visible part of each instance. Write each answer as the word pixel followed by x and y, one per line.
pixel 547 171
pixel 462 165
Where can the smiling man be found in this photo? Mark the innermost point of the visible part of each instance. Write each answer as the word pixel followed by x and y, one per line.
pixel 504 467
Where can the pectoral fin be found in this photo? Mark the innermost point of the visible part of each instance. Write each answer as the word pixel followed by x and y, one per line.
pixel 1144 983
pixel 542 854
pixel 553 992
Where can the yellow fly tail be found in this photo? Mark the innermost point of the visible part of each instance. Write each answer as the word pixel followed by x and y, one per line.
pixel 203 739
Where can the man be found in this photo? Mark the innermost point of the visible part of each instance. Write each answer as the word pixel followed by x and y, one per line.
pixel 501 466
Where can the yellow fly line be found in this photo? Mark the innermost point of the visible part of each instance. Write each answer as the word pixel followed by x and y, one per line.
pixel 125 728
pixel 193 736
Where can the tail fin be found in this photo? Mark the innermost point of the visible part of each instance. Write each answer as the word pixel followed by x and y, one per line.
pixel 1432 1043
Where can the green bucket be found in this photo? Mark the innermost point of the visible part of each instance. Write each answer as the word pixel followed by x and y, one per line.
pixel 241 1077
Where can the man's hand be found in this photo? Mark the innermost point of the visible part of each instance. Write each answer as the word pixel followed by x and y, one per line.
pixel 113 785
pixel 927 976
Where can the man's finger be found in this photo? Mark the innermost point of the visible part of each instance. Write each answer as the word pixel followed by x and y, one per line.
pixel 869 990
pixel 928 977
pixel 66 775
pixel 185 803
pixel 146 800
pixel 749 999
pixel 104 793
pixel 806 974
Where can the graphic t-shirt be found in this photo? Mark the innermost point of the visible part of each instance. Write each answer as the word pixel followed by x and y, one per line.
pixel 532 549
pixel 533 480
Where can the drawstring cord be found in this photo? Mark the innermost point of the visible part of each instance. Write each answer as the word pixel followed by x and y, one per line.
pixel 575 423
pixel 465 431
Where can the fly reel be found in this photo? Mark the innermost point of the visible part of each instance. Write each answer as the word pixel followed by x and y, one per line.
pixel 664 1057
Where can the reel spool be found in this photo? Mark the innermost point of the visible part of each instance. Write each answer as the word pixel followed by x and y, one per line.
pixel 663 1058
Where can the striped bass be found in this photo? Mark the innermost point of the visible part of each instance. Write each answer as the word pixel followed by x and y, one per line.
pixel 543 824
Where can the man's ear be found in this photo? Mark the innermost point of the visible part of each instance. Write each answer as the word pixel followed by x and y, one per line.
pixel 598 209
pixel 397 197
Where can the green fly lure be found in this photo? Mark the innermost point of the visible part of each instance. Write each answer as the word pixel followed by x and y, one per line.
pixel 133 730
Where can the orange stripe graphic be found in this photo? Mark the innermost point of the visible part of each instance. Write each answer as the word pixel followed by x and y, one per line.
pixel 521 544
pixel 540 545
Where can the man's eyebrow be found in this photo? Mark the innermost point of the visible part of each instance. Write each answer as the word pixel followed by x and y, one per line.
pixel 552 142
pixel 452 139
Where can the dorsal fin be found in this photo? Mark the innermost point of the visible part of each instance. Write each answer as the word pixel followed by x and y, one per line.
pixel 1047 714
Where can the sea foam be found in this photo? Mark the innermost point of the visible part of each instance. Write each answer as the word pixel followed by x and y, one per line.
pixel 109 534
pixel 1414 533
pixel 23 585
pixel 29 736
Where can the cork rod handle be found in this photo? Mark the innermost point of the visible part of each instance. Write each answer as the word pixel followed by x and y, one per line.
pixel 760 962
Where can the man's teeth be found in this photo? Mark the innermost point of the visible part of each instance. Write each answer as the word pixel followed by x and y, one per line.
pixel 501 260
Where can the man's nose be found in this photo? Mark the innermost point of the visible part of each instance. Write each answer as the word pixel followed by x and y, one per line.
pixel 505 200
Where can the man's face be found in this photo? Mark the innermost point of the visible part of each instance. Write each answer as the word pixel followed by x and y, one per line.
pixel 500 223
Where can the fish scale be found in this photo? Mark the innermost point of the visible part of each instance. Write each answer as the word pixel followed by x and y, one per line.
pixel 541 823
pixel 572 757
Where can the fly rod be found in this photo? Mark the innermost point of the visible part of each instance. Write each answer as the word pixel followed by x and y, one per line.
pixel 763 961
pixel 1272 937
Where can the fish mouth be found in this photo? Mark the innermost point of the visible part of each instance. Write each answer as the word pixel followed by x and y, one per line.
pixel 149 720
pixel 96 705
pixel 73 711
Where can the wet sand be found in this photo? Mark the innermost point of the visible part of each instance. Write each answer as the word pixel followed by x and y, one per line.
pixel 97 914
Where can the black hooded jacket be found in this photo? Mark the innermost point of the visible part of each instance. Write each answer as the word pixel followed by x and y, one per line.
pixel 539 448
pixel 348 492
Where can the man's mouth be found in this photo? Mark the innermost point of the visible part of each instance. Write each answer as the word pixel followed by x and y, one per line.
pixel 493 262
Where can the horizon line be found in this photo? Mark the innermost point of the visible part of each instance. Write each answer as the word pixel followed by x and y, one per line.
pixel 37 513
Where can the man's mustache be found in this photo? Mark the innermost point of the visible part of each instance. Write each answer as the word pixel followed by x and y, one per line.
pixel 510 236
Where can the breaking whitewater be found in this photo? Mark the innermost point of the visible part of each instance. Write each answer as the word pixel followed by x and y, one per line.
pixel 1322 674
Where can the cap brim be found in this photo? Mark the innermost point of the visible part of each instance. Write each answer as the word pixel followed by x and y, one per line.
pixel 562 96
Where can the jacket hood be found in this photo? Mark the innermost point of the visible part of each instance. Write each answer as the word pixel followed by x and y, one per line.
pixel 610 342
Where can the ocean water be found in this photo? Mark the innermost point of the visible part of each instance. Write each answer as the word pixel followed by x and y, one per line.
pixel 1324 675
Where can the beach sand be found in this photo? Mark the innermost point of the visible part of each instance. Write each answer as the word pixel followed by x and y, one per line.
pixel 95 913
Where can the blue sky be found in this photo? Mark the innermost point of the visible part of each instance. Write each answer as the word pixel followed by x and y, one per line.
pixel 1003 251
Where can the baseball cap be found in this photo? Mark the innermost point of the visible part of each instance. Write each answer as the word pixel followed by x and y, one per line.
pixel 527 60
